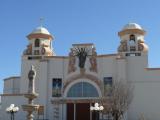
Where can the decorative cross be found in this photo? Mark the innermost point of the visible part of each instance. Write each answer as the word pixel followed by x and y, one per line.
pixel 41 21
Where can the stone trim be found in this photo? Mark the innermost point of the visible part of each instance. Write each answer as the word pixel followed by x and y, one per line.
pixel 93 61
pixel 152 68
pixel 71 100
pixel 39 35
pixel 11 94
pixel 107 55
pixel 71 63
pixel 12 77
pixel 86 44
pixel 131 31
pixel 80 76
pixel 67 57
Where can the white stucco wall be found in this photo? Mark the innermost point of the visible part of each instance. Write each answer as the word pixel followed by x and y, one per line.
pixel 146 100
pixel 18 101
pixel 131 68
pixel 11 85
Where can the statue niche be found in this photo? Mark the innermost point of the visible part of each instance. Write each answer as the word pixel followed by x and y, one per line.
pixel 82 54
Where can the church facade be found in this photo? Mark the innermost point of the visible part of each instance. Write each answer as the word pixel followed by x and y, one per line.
pixel 68 85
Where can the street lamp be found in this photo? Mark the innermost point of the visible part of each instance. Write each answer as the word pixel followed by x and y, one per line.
pixel 11 110
pixel 97 108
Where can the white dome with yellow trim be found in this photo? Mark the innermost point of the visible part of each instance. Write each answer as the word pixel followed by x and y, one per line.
pixel 41 30
pixel 132 26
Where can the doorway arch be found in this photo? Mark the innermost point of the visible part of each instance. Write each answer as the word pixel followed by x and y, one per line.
pixel 82 89
pixel 78 91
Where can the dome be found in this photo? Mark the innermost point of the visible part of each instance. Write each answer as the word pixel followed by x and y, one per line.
pixel 132 26
pixel 41 30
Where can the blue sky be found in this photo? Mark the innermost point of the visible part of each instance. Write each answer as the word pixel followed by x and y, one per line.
pixel 74 21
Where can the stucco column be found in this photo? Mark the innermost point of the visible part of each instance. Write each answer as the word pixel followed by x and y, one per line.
pixel 74 111
pixel 90 111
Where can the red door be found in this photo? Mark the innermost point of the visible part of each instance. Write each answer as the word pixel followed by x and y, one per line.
pixel 70 111
pixel 82 111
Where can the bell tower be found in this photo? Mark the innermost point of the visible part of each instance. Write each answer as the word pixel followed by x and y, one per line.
pixel 132 41
pixel 40 43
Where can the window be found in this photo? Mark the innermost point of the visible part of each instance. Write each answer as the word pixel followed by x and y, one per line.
pixel 138 54
pixel 132 37
pixel 56 87
pixel 130 54
pixel 107 85
pixel 34 57
pixel 132 40
pixel 37 42
pixel 82 89
pixel 133 54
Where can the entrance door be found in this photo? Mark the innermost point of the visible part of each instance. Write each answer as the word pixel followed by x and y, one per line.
pixel 82 111
pixel 70 111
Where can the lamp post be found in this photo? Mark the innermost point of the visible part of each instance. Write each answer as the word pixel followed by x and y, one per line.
pixel 11 110
pixel 97 108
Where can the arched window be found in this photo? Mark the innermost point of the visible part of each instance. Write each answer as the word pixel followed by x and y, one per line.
pixel 132 37
pixel 37 42
pixel 132 40
pixel 132 43
pixel 82 89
